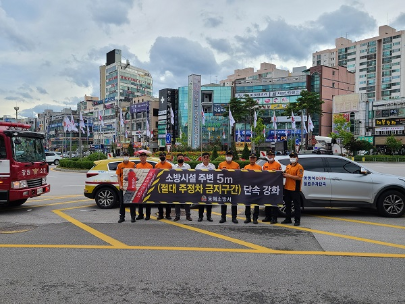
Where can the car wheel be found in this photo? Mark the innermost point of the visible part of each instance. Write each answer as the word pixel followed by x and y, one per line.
pixel 391 204
pixel 56 162
pixel 106 198
pixel 17 203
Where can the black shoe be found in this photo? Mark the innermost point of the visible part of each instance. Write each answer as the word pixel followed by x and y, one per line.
pixel 147 218
pixel 133 220
pixel 200 219
pixel 222 220
pixel 139 217
pixel 176 219
pixel 209 219
pixel 121 220
pixel 255 221
pixel 188 218
pixel 247 220
pixel 169 217
pixel 160 217
pixel 273 221
pixel 297 223
pixel 286 221
pixel 266 219
pixel 235 221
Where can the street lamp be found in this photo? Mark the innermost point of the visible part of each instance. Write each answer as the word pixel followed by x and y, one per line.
pixel 16 112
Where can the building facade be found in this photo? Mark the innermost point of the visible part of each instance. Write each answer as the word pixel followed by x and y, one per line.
pixel 377 63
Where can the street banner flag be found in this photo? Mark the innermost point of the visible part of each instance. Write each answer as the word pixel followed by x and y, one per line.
pixel 231 121
pixel 274 121
pixel 171 116
pixel 310 124
pixel 203 117
pixel 293 120
pixel 147 128
pixel 121 118
pixel 255 120
pixel 100 118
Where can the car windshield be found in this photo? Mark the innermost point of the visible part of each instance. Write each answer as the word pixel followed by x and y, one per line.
pixel 28 149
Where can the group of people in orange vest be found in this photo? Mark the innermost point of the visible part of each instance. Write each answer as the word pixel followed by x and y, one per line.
pixel 293 174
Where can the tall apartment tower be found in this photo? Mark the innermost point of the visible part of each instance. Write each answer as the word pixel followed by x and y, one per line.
pixel 377 63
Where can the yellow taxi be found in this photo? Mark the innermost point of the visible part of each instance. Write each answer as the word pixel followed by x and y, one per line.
pixel 101 182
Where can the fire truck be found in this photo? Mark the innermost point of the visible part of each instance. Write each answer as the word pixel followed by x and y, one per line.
pixel 23 167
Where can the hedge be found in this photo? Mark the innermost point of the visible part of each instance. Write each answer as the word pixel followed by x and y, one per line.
pixel 380 158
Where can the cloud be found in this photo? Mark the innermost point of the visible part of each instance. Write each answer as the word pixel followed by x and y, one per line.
pixel 12 98
pixel 41 90
pixel 297 42
pixel 212 22
pixel 111 12
pixel 399 22
pixel 10 33
pixel 221 45
pixel 25 95
pixel 175 58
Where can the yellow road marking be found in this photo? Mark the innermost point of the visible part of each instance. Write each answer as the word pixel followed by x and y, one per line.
pixel 219 236
pixel 335 234
pixel 14 231
pixel 360 222
pixel 209 249
pixel 88 229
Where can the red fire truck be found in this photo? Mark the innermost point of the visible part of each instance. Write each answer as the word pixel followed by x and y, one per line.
pixel 23 168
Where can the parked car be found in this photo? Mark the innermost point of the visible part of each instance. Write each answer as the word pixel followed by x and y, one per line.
pixel 53 157
pixel 101 182
pixel 335 181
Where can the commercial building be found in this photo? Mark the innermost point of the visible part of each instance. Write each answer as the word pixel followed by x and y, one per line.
pixel 119 84
pixel 377 63
pixel 144 122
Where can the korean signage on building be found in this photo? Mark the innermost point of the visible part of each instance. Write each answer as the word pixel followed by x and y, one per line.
pixel 239 187
pixel 195 114
pixel 139 107
pixel 269 94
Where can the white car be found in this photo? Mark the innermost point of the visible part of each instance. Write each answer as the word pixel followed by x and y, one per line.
pixel 335 181
pixel 53 157
pixel 101 181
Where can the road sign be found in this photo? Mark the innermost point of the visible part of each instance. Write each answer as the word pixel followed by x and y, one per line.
pixel 168 138
pixel 168 147
pixel 262 153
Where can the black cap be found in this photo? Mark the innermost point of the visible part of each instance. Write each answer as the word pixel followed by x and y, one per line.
pixel 293 154
pixel 125 154
pixel 252 155
pixel 162 154
pixel 229 153
pixel 271 152
pixel 142 154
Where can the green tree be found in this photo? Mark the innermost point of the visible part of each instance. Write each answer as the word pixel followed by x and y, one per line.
pixel 259 138
pixel 245 152
pixel 358 145
pixel 309 103
pixel 214 153
pixel 342 132
pixel 242 111
pixel 393 144
pixel 131 149
pixel 234 151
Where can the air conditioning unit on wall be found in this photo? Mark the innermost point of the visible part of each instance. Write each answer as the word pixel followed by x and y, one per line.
pixel 368 133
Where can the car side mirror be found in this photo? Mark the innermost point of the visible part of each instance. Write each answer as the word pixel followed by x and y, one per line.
pixel 364 171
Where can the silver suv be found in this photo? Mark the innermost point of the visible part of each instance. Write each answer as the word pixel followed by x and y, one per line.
pixel 335 181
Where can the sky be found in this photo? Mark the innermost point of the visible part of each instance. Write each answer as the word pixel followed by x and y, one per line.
pixel 51 50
